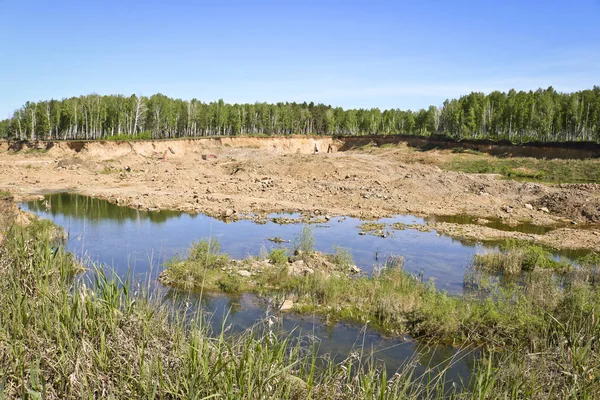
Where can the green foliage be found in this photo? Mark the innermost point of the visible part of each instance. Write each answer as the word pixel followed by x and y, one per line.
pixel 305 241
pixel 342 257
pixel 542 115
pixel 230 284
pixel 555 170
pixel 278 257
pixel 515 257
pixel 146 135
pixel 590 260
pixel 207 254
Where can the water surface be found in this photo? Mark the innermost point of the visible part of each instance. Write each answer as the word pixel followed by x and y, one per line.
pixel 126 238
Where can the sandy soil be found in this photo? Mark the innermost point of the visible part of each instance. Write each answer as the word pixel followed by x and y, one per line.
pixel 240 177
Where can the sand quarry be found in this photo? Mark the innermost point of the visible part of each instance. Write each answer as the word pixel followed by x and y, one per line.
pixel 251 177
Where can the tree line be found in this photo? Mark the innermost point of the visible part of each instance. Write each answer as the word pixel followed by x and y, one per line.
pixel 542 115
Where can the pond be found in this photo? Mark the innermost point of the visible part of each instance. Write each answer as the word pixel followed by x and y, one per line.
pixel 138 242
pixel 126 238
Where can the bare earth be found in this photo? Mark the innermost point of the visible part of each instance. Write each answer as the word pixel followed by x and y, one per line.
pixel 256 176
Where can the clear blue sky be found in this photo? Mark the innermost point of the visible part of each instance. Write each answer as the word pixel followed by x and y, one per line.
pixel 349 53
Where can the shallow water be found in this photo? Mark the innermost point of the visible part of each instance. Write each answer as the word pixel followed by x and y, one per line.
pixel 128 238
pixel 495 223
pixel 337 341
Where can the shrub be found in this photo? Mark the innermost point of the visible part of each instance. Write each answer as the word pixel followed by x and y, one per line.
pixel 342 257
pixel 207 254
pixel 230 284
pixel 278 257
pixel 305 241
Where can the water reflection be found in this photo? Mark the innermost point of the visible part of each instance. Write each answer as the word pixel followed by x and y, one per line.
pixel 126 238
pixel 335 341
pixel 137 242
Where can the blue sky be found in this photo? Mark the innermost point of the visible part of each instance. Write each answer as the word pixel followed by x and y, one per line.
pixel 345 53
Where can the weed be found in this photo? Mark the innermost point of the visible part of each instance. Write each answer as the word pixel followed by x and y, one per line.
pixel 342 257
pixel 279 257
pixel 305 241
pixel 207 254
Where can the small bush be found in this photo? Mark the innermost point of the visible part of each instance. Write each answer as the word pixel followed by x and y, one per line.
pixel 230 284
pixel 278 257
pixel 342 257
pixel 305 241
pixel 207 254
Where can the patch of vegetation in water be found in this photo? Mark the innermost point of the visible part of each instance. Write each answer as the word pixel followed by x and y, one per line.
pixel 515 257
pixel 491 222
pixel 392 299
pixel 62 338
pixel 529 169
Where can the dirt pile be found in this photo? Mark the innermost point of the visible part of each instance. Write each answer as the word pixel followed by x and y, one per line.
pixel 251 177
pixel 574 202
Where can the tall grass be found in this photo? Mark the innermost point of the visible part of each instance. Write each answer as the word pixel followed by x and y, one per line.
pixel 66 337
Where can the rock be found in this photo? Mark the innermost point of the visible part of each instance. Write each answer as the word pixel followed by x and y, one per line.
pixel 228 212
pixel 507 209
pixel 244 273
pixel 299 268
pixel 287 305
pixel 277 239
pixel 355 270
pixel 528 206
pixel 545 210
pixel 128 168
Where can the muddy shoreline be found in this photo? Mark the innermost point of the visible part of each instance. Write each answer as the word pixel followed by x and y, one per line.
pixel 251 178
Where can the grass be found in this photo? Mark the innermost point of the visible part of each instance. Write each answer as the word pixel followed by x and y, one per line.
pixel 393 300
pixel 552 171
pixel 147 135
pixel 539 333
pixel 515 257
pixel 64 336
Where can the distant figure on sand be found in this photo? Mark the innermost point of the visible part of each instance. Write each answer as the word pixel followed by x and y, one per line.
pixel 316 149
pixel 330 148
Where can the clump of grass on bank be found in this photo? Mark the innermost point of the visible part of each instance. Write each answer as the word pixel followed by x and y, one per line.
pixel 391 299
pixel 515 257
pixel 531 169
